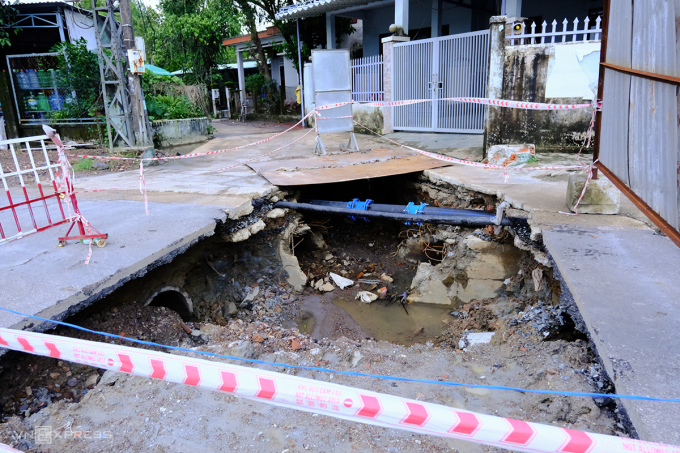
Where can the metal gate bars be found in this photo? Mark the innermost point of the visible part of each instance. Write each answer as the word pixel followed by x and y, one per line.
pixel 436 68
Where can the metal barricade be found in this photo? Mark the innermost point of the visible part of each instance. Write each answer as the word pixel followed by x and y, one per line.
pixel 30 177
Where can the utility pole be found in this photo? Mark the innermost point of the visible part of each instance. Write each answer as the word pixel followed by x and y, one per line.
pixel 134 82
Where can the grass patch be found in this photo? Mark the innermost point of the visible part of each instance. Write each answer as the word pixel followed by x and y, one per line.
pixel 83 165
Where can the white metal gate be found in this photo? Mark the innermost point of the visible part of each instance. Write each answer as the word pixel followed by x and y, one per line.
pixel 437 68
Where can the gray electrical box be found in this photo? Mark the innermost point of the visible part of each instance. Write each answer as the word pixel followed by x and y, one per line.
pixel 333 85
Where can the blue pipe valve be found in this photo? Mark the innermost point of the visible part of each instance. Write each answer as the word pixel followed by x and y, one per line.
pixel 361 206
pixel 414 209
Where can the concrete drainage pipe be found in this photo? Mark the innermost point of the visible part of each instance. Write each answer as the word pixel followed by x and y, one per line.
pixel 173 298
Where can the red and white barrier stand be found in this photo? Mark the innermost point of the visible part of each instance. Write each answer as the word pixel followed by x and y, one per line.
pixel 326 398
pixel 88 233
pixel 47 197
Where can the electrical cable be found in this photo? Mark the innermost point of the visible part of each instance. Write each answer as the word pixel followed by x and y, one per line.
pixel 352 373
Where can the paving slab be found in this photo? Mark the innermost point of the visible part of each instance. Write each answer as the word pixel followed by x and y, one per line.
pixel 38 277
pixel 625 284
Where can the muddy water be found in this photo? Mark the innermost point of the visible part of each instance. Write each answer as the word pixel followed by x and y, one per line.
pixel 388 321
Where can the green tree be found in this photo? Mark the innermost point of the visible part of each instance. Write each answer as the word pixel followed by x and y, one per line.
pixel 79 71
pixel 191 33
pixel 312 36
pixel 8 15
pixel 312 29
pixel 146 22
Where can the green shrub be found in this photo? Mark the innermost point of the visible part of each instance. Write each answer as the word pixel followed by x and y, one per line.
pixel 171 108
pixel 83 165
pixel 78 71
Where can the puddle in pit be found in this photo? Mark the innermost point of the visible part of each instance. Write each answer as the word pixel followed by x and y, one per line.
pixel 386 320
pixel 305 323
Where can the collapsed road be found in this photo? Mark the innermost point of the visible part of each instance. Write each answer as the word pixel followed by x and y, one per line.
pixel 263 287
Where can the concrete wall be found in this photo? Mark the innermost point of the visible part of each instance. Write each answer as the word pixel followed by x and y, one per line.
pixel 551 73
pixel 68 132
pixel 371 117
pixel 180 132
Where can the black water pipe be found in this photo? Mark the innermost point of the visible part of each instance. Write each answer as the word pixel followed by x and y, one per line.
pixel 466 219
pixel 395 208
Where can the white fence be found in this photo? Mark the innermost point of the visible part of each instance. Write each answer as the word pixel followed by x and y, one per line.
pixel 584 34
pixel 367 79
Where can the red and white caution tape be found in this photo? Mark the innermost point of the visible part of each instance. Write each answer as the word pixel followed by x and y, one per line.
pixel 326 398
pixel 487 101
pixel 256 158
pixel 6 448
pixel 476 164
pixel 142 186
pixel 187 156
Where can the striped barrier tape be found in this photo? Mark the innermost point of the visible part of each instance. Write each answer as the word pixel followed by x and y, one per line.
pixel 494 102
pixel 187 156
pixel 470 163
pixel 487 101
pixel 325 398
pixel 256 158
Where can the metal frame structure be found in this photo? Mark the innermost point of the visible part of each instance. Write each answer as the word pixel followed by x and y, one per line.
pixel 113 74
pixel 638 200
pixel 22 22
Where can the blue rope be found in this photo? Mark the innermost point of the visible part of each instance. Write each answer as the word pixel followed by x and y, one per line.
pixel 351 373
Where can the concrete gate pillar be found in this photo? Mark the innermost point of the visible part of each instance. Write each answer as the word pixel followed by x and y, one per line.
pixel 494 85
pixel 388 46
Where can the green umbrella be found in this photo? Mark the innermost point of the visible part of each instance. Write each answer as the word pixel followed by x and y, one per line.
pixel 156 70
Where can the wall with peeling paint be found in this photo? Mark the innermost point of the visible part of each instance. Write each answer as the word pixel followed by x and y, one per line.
pixel 551 73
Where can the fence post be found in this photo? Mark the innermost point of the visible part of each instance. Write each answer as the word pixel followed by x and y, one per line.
pixel 494 86
pixel 388 47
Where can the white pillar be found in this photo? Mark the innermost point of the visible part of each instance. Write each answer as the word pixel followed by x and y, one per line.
pixel 494 83
pixel 513 8
pixel 241 77
pixel 330 31
pixel 60 23
pixel 436 25
pixel 401 14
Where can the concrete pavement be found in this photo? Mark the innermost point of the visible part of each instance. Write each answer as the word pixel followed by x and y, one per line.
pixel 625 284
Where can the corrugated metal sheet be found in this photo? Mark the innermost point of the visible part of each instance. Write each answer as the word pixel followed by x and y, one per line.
pixel 616 96
pixel 639 135
pixel 315 7
pixel 653 141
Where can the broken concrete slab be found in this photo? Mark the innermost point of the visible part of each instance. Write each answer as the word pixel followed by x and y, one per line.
pixel 239 211
pixel 624 283
pixel 601 197
pixel 296 278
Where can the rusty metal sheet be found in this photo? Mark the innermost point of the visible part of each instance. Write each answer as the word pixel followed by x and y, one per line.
pixel 288 174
